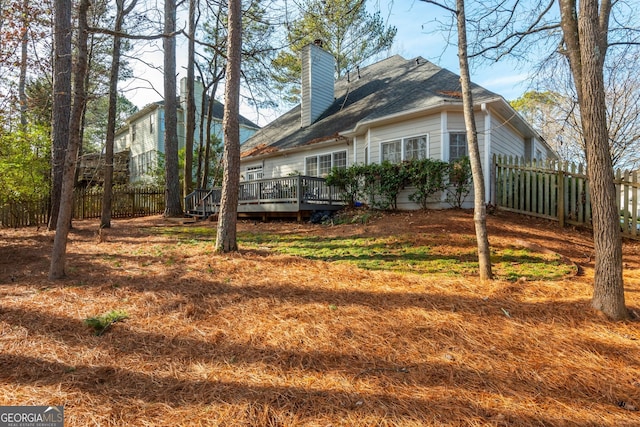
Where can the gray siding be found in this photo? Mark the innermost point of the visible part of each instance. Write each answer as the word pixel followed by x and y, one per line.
pixel 505 140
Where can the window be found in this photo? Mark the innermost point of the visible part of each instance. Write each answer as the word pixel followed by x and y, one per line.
pixel 340 159
pixel 254 172
pixel 324 164
pixel 457 146
pixel 415 148
pixel 391 152
pixel 311 166
pixel 321 165
pixel 133 132
pixel 405 149
pixel 151 122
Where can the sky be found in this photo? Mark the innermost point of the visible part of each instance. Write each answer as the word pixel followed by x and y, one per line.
pixel 417 35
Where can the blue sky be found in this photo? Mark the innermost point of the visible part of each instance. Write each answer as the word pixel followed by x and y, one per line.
pixel 417 35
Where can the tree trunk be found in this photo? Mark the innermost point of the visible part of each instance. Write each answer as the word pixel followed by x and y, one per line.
pixel 58 254
pixel 226 237
pixel 585 37
pixel 479 207
pixel 203 108
pixel 173 207
pixel 207 150
pixel 191 103
pixel 22 81
pixel 105 220
pixel 61 102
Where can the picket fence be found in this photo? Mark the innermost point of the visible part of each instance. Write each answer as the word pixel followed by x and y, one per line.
pixel 127 202
pixel 560 191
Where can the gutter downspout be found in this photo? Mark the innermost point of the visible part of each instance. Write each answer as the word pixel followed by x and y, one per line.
pixel 489 172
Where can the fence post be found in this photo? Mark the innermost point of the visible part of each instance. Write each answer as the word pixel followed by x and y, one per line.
pixel 560 194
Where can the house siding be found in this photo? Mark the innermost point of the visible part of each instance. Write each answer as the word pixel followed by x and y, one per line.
pixel 505 140
pixel 294 163
pixel 455 124
pixel 429 125
pixel 144 146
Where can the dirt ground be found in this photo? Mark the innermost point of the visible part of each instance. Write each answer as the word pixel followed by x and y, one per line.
pixel 257 338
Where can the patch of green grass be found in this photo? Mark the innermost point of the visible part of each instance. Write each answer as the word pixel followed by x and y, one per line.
pixel 101 323
pixel 433 254
pixel 398 254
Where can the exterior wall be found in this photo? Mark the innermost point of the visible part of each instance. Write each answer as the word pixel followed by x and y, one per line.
pixel 429 126
pixel 121 141
pixel 453 122
pixel 294 163
pixel 505 140
pixel 144 146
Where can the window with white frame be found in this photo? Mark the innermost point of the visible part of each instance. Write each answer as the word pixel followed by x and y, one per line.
pixel 254 172
pixel 151 123
pixel 391 151
pixel 457 145
pixel 322 164
pixel 133 132
pixel 413 148
pixel 339 159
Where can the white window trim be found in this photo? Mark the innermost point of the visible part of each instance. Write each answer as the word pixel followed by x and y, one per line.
pixel 255 170
pixel 331 153
pixel 403 154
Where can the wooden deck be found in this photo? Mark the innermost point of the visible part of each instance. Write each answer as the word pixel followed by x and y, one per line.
pixel 296 196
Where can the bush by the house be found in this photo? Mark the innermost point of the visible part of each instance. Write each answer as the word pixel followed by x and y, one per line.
pixel 380 184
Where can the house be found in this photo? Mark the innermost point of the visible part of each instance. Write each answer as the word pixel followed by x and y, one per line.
pixel 396 109
pixel 143 133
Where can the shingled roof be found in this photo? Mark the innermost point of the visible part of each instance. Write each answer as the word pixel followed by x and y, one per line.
pixel 387 88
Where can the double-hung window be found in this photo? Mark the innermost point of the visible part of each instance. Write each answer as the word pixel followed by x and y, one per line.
pixel 322 164
pixel 457 146
pixel 414 148
pixel 391 151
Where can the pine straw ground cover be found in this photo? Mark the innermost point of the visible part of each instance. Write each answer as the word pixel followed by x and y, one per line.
pixel 267 338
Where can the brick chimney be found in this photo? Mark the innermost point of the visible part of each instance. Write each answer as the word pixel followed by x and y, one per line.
pixel 318 67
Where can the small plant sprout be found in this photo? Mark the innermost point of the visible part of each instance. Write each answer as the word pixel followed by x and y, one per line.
pixel 101 323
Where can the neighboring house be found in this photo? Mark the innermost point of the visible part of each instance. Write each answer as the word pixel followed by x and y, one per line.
pixel 395 110
pixel 143 133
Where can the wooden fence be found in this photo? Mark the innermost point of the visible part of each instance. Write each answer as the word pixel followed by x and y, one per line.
pixel 560 191
pixel 87 203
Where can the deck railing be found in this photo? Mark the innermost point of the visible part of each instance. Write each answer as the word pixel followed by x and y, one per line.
pixel 289 194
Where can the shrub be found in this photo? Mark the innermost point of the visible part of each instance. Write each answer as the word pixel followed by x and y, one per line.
pixel 391 179
pixel 460 178
pixel 428 177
